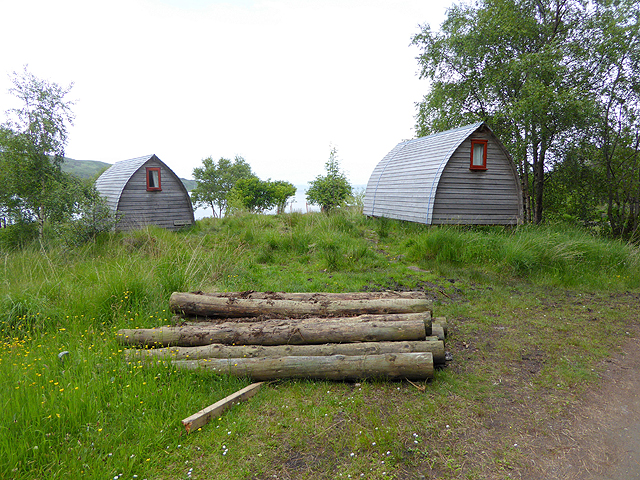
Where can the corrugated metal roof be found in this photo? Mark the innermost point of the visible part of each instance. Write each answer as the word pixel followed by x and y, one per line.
pixel 412 170
pixel 111 183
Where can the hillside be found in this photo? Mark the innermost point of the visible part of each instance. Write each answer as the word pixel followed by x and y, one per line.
pixel 84 168
pixel 88 169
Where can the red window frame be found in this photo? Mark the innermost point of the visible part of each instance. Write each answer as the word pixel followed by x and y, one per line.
pixel 475 142
pixel 148 173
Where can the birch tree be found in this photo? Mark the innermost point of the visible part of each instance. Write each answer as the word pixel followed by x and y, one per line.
pixel 32 144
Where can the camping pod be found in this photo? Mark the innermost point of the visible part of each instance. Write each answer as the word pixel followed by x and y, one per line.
pixel 144 191
pixel 460 176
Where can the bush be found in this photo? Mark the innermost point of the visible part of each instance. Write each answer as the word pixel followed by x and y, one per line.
pixel 18 235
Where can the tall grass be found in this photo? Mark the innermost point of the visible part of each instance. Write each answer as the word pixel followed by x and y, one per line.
pixel 90 412
pixel 553 255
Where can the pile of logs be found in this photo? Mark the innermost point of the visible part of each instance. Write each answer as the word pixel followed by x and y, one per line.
pixel 268 336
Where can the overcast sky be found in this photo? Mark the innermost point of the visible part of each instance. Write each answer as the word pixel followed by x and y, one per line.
pixel 276 81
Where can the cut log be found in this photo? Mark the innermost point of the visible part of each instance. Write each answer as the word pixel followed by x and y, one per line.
pixel 437 331
pixel 442 321
pixel 388 317
pixel 367 328
pixel 315 296
pixel 209 305
pixel 412 366
pixel 275 333
pixel 431 344
pixel 202 417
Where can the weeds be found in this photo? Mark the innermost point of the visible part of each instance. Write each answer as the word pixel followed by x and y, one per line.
pixel 526 338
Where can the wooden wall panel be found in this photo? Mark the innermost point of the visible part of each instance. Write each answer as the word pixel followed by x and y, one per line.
pixel 484 197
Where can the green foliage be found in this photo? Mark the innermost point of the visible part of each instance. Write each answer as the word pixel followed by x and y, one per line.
pixel 282 191
pixel 615 129
pixel 332 190
pixel 215 181
pixel 18 235
pixel 91 216
pixel 32 142
pixel 577 189
pixel 256 196
pixel 357 198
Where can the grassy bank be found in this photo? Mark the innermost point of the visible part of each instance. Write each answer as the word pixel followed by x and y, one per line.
pixel 533 312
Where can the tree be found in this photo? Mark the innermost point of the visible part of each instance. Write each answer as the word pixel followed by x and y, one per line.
pixel 614 70
pixel 332 190
pixel 282 192
pixel 32 143
pixel 215 181
pixel 518 65
pixel 257 195
pixel 252 194
pixel 576 187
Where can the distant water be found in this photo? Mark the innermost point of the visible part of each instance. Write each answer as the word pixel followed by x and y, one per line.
pixel 299 203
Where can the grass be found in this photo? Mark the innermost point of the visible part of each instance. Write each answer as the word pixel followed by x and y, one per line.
pixel 533 312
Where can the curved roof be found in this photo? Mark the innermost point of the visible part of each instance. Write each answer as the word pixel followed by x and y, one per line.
pixel 112 182
pixel 410 174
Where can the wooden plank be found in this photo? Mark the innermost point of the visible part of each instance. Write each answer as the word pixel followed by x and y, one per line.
pixel 203 417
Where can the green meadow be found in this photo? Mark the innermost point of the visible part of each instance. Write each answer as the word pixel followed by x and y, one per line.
pixel 534 311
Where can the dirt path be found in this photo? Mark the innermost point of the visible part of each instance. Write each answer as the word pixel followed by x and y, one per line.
pixel 601 438
pixel 619 402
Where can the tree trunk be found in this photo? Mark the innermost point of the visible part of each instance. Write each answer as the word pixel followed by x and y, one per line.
pixel 430 344
pixel 366 328
pixel 292 305
pixel 538 173
pixel 413 366
pixel 526 195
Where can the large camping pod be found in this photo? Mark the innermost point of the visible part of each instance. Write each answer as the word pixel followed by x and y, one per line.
pixel 144 191
pixel 461 176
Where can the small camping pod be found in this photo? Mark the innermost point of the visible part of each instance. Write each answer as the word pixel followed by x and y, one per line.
pixel 144 191
pixel 461 176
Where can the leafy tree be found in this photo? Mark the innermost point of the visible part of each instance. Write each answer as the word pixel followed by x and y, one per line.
pixel 215 181
pixel 599 179
pixel 32 143
pixel 576 187
pixel 257 195
pixel 282 192
pixel 252 194
pixel 614 71
pixel 332 190
pixel 517 64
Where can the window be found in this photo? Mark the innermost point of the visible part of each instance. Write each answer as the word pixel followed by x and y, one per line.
pixel 478 155
pixel 153 179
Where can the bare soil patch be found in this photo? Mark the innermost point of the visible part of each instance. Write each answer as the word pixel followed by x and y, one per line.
pixel 565 433
pixel 600 437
